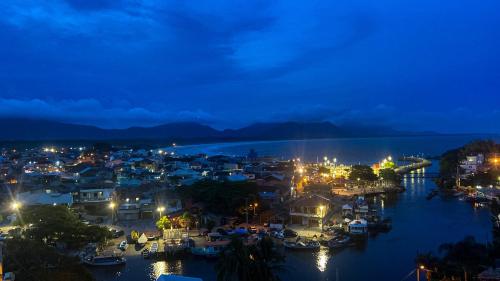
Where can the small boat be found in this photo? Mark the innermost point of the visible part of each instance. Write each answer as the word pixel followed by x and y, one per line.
pixel 211 250
pixel 145 253
pixel 302 245
pixel 339 242
pixel 458 194
pixel 104 260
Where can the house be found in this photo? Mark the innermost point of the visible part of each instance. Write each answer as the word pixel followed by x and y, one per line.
pixel 471 163
pixel 44 197
pixel 309 211
pixel 96 195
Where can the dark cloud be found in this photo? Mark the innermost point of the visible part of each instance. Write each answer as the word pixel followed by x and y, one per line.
pixel 234 62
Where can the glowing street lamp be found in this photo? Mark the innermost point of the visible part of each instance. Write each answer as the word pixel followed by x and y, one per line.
pixel 160 210
pixel 15 206
pixel 321 207
pixel 112 206
pixel 254 206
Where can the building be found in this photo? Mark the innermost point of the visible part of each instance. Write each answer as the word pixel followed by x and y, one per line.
pixel 309 211
pixel 471 163
pixel 44 197
pixel 96 195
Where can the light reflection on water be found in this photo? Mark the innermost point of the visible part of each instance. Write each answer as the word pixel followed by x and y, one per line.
pixel 164 267
pixel 322 259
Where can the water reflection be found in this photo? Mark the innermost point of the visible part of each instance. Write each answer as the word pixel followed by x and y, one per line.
pixel 322 259
pixel 164 267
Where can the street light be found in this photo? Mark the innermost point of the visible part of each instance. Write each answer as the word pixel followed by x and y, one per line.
pixel 321 207
pixel 112 207
pixel 254 206
pixel 160 210
pixel 15 205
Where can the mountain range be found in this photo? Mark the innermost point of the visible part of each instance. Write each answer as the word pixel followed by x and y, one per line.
pixel 35 130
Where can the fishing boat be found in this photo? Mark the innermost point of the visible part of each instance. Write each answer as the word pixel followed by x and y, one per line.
pixel 302 245
pixel 358 228
pixel 211 250
pixel 107 260
pixel 339 242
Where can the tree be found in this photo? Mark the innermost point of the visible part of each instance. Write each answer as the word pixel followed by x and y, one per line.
pixel 249 263
pixel 134 235
pixel 221 197
pixel 163 223
pixel 362 172
pixel 58 223
pixel 390 175
pixel 33 260
pixel 464 258
pixel 186 219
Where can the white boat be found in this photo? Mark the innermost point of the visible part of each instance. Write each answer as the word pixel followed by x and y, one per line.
pixel 302 245
pixel 104 260
pixel 358 227
pixel 154 248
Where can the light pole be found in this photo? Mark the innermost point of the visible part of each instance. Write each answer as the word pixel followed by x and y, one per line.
pixel 321 215
pixel 112 207
pixel 15 206
pixel 254 206
pixel 160 210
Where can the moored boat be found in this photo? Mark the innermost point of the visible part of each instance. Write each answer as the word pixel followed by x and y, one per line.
pixel 302 245
pixel 104 260
pixel 339 242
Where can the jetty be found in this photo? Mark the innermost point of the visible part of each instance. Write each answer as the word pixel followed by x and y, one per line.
pixel 414 163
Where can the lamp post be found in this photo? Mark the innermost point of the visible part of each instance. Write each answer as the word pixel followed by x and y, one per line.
pixel 15 206
pixel 254 206
pixel 321 207
pixel 112 207
pixel 160 210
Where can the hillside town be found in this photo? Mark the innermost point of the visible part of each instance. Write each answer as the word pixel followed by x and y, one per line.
pixel 169 205
pixel 158 194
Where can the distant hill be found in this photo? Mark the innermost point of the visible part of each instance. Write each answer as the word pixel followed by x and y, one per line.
pixel 35 130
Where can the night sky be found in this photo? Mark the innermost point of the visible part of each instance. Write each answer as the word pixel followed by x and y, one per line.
pixel 414 65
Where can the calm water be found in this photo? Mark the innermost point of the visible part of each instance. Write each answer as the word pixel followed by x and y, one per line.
pixel 419 225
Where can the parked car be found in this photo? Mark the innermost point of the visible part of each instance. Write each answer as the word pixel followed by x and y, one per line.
pixel 123 246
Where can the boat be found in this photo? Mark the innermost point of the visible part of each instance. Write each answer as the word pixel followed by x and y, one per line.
pixel 302 245
pixel 358 228
pixel 211 250
pixel 339 242
pixel 104 260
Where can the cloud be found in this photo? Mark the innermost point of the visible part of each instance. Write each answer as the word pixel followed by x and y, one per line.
pixel 92 112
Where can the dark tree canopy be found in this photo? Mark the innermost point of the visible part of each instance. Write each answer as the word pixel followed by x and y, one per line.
pixel 33 260
pixel 221 197
pixel 362 172
pixel 60 224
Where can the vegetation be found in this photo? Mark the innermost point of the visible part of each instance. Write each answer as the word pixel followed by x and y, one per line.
pixel 186 219
pixel 450 160
pixel 221 197
pixel 33 260
pixel 51 224
pixel 362 172
pixel 465 258
pixel 390 175
pixel 163 223
pixel 249 263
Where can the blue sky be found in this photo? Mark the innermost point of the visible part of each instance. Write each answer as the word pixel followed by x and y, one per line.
pixel 415 65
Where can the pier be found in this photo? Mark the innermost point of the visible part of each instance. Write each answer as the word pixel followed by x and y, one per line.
pixel 414 163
